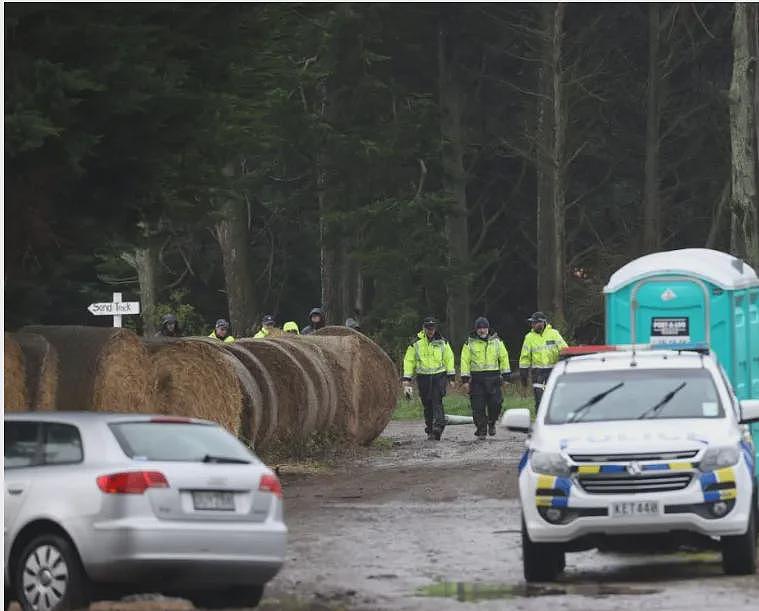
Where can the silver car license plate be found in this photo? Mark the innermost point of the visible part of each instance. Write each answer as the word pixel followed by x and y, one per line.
pixel 630 509
pixel 214 500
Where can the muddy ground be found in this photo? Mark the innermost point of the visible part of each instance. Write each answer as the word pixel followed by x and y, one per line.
pixel 414 524
pixel 425 525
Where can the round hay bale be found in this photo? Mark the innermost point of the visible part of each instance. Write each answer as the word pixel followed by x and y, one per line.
pixel 375 383
pixel 197 378
pixel 314 361
pixel 99 368
pixel 15 391
pixel 41 370
pixel 263 413
pixel 297 402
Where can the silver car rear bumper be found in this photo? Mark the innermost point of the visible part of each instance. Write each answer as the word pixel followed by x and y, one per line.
pixel 181 554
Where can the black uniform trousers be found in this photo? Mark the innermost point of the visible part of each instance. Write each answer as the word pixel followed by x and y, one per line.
pixel 539 376
pixel 486 398
pixel 431 392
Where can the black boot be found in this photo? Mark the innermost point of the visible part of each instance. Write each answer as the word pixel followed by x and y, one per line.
pixel 491 430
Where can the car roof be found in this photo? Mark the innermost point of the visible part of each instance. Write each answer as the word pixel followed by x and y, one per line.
pixel 644 359
pixel 83 417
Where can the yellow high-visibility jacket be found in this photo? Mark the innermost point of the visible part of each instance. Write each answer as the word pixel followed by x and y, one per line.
pixel 291 327
pixel 425 357
pixel 264 332
pixel 227 340
pixel 489 354
pixel 541 350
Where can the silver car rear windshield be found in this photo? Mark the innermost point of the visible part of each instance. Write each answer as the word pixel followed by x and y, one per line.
pixel 179 441
pixel 634 395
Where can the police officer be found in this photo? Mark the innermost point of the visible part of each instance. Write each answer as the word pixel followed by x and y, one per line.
pixel 291 327
pixel 267 324
pixel 484 361
pixel 221 332
pixel 540 352
pixel 169 326
pixel 316 320
pixel 429 357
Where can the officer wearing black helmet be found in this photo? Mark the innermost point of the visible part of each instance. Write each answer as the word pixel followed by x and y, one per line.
pixel 429 358
pixel 540 352
pixel 169 326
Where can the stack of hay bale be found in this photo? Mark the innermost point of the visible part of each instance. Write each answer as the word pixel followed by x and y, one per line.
pixel 281 388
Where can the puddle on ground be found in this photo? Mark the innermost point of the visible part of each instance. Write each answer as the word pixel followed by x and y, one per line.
pixel 473 592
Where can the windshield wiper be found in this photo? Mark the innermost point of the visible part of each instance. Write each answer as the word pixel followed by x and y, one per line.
pixel 665 399
pixel 579 411
pixel 225 459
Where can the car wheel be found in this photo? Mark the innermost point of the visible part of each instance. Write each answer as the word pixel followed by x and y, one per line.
pixel 240 596
pixel 541 561
pixel 48 576
pixel 739 552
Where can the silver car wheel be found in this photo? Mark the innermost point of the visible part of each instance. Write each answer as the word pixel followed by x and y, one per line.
pixel 45 579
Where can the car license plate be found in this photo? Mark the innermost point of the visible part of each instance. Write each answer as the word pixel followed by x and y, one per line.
pixel 634 509
pixel 213 500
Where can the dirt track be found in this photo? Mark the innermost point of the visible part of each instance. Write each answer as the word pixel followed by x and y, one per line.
pixel 423 525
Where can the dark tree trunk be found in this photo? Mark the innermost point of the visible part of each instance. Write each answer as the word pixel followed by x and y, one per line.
pixel 651 204
pixel 551 190
pixel 744 240
pixel 233 237
pixel 454 183
pixel 146 263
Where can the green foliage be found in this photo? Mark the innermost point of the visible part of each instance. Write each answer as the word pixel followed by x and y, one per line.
pixel 456 404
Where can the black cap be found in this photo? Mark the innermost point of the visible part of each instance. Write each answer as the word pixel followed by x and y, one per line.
pixel 167 318
pixel 315 311
pixel 268 320
pixel 430 321
pixel 222 323
pixel 538 317
pixel 481 323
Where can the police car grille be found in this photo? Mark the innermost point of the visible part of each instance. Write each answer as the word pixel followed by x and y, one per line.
pixel 637 457
pixel 628 484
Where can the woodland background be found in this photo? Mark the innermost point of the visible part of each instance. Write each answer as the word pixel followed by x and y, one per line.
pixel 388 161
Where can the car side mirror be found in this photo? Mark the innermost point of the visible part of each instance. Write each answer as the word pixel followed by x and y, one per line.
pixel 517 419
pixel 749 411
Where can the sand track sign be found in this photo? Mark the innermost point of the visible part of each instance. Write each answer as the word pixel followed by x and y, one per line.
pixel 116 308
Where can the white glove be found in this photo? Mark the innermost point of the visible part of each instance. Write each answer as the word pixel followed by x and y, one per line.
pixel 408 390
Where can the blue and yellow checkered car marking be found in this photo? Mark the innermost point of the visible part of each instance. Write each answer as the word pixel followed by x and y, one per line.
pixel 552 491
pixel 712 479
pixel 595 469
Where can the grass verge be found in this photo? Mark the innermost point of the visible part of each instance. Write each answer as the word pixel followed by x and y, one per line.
pixel 457 404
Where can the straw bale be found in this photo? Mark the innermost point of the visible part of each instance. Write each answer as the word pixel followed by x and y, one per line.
pixel 341 354
pixel 41 370
pixel 99 368
pixel 197 378
pixel 375 383
pixel 314 361
pixel 297 402
pixel 15 392
pixel 269 407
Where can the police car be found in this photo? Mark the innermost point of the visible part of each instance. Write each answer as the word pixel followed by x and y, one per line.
pixel 643 449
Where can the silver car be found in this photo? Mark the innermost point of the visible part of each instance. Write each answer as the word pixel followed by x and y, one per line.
pixel 115 503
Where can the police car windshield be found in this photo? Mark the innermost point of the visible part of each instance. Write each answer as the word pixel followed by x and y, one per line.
pixel 635 394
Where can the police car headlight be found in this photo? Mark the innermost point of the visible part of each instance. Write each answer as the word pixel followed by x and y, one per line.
pixel 549 463
pixel 717 458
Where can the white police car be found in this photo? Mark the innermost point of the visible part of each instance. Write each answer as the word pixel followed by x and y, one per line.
pixel 637 449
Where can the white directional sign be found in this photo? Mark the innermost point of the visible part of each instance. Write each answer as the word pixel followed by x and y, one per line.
pixel 116 308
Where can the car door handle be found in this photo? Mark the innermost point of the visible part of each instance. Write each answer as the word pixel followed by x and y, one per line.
pixel 15 490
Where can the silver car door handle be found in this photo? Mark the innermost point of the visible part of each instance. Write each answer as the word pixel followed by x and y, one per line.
pixel 15 490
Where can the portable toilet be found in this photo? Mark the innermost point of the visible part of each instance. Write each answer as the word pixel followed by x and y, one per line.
pixel 691 295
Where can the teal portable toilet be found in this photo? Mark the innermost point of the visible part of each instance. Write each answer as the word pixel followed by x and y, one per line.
pixel 691 295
